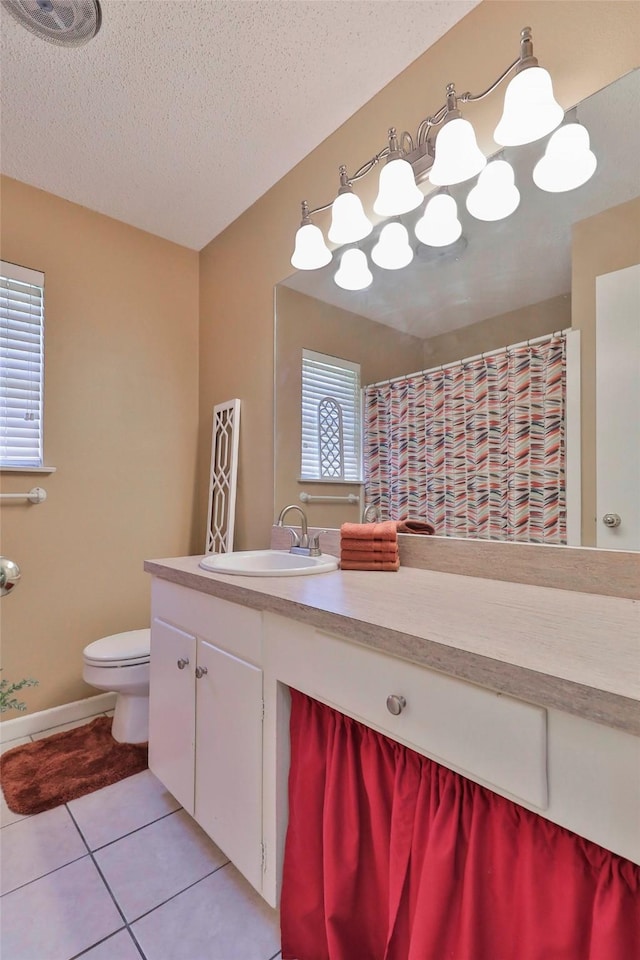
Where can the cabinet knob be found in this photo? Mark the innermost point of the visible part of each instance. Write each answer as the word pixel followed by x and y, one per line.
pixel 396 704
pixel 612 520
pixel 183 662
pixel 200 672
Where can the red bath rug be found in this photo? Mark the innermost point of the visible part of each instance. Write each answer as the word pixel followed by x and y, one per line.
pixel 40 775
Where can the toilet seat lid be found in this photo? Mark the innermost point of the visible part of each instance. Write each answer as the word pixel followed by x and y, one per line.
pixel 133 645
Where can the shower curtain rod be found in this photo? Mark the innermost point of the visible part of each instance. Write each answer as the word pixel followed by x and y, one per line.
pixel 478 356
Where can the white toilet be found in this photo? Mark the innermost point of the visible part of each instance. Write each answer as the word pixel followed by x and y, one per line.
pixel 121 663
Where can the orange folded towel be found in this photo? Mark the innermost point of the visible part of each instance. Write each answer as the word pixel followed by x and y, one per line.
pixel 374 565
pixel 370 556
pixel 367 546
pixel 369 531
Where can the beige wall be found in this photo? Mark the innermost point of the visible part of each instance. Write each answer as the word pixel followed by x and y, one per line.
pixel 585 45
pixel 526 323
pixel 601 244
pixel 306 323
pixel 123 367
pixel 121 407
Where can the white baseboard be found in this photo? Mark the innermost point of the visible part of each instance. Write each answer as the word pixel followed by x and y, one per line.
pixel 67 713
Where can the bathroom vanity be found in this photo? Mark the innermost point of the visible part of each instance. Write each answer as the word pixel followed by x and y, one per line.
pixel 531 691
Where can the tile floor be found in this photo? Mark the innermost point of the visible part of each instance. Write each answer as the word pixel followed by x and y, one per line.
pixel 123 874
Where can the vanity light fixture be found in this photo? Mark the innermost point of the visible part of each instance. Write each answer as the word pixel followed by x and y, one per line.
pixel 495 196
pixel 568 161
pixel 311 252
pixel 392 251
pixel 458 156
pixel 349 222
pixel 353 272
pixel 530 108
pixel 397 189
pixel 439 225
pixel 444 150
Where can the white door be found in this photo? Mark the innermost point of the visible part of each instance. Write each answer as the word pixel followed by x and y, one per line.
pixel 172 710
pixel 618 408
pixel 229 757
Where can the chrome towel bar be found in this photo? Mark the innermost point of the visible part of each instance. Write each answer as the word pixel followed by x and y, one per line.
pixel 309 498
pixel 35 495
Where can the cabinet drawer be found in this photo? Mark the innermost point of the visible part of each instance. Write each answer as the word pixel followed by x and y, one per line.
pixel 229 626
pixel 489 737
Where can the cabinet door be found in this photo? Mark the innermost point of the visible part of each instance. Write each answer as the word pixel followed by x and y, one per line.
pixel 229 757
pixel 172 710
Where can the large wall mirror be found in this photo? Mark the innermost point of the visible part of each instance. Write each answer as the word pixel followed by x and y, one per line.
pixel 502 283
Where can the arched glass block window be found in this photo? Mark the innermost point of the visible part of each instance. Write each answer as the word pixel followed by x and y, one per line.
pixel 330 439
pixel 324 433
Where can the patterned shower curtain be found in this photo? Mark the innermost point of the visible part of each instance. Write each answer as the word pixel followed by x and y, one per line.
pixel 476 448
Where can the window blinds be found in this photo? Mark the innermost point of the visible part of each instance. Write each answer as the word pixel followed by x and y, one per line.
pixel 21 365
pixel 324 376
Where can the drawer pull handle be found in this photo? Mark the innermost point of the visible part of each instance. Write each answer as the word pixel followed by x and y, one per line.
pixel 396 704
pixel 182 663
pixel 200 672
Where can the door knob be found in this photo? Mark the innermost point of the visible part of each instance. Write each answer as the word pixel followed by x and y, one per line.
pixel 612 520
pixel 396 704
pixel 200 672
pixel 9 575
pixel 182 663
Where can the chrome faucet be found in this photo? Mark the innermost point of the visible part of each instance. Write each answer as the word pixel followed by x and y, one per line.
pixel 303 544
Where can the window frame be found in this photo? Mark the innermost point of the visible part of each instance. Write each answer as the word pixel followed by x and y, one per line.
pixel 352 421
pixel 18 274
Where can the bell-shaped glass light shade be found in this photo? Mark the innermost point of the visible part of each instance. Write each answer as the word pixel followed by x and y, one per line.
pixel 392 251
pixel 458 156
pixel 311 252
pixel 439 225
pixel 568 161
pixel 397 190
pixel 530 109
pixel 349 223
pixel 495 196
pixel 353 272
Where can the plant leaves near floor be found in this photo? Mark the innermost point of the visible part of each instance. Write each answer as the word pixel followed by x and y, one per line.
pixel 40 775
pixel 7 702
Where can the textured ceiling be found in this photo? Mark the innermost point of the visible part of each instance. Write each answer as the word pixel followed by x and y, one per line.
pixel 179 115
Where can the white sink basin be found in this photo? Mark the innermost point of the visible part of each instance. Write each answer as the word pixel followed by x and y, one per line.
pixel 268 563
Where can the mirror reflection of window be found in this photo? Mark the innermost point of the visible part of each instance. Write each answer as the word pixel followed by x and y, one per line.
pixel 331 446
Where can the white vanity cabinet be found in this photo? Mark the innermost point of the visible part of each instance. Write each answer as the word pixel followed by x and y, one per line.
pixel 205 716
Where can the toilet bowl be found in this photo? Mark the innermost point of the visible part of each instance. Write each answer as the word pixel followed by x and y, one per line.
pixel 121 663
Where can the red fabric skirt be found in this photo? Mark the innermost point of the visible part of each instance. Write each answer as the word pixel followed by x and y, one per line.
pixel 390 856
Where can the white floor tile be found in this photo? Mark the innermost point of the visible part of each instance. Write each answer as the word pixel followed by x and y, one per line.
pixel 36 845
pixel 118 947
pixel 63 726
pixel 58 916
pixel 10 744
pixel 110 813
pixel 7 816
pixel 157 862
pixel 220 918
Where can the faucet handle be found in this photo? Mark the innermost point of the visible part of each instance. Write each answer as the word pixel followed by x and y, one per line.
pixel 314 543
pixel 295 539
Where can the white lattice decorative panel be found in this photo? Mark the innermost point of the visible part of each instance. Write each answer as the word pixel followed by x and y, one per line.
pixel 223 477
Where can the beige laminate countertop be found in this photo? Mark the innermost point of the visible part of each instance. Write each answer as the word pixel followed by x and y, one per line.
pixel 575 652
